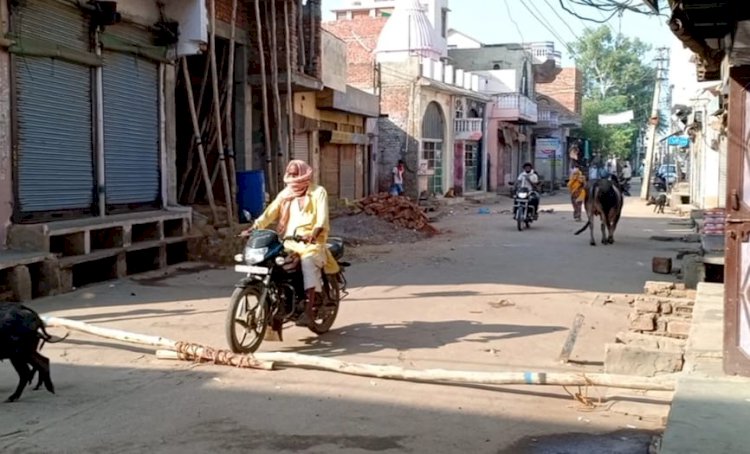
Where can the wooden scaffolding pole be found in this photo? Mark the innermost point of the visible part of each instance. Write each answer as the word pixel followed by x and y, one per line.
pixel 271 179
pixel 280 142
pixel 198 140
pixel 217 113
pixel 229 121
pixel 289 94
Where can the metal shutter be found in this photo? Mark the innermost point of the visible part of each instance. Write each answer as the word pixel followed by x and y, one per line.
pixel 301 148
pixel 55 168
pixel 131 129
pixel 348 174
pixel 53 21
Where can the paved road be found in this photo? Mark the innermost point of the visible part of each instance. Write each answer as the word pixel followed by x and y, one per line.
pixel 482 296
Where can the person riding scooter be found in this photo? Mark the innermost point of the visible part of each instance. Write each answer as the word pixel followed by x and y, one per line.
pixel 529 179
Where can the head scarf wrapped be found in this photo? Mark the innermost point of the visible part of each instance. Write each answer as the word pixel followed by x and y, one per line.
pixel 296 186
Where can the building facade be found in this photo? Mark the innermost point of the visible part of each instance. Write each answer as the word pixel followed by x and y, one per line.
pixel 432 114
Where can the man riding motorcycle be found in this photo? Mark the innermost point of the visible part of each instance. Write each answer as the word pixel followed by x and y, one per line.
pixel 529 179
pixel 301 210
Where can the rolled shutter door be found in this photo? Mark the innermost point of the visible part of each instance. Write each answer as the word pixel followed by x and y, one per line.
pixel 131 129
pixel 301 147
pixel 55 167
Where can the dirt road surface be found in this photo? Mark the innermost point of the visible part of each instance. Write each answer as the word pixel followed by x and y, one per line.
pixel 482 296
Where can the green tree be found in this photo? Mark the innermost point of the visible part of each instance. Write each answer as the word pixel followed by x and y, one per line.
pixel 616 79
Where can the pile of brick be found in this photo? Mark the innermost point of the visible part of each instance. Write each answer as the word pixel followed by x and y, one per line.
pixel 665 310
pixel 399 210
pixel 714 222
pixel 659 324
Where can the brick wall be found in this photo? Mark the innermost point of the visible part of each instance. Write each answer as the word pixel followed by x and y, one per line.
pixel 361 37
pixel 224 12
pixel 309 27
pixel 567 89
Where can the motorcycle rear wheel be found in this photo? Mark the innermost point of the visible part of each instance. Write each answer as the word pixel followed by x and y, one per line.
pixel 246 317
pixel 328 309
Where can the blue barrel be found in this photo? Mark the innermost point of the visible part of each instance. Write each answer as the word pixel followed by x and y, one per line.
pixel 251 193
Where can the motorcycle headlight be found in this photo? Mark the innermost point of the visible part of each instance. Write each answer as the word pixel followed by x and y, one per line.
pixel 255 256
pixel 523 195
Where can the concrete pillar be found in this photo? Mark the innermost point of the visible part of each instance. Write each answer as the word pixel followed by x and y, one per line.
pixel 169 169
pixel 6 175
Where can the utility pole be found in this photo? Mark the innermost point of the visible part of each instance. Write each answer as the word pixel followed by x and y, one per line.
pixel 653 126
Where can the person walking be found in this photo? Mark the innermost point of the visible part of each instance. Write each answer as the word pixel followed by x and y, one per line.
pixel 577 188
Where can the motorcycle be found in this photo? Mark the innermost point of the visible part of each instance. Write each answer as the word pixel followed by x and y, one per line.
pixel 625 186
pixel 272 292
pixel 523 211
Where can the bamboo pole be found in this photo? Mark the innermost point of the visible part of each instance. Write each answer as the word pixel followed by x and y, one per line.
pixel 170 349
pixel 280 142
pixel 193 186
pixel 199 352
pixel 264 94
pixel 198 139
pixel 453 376
pixel 289 94
pixel 217 113
pixel 228 111
pixel 191 150
pixel 301 35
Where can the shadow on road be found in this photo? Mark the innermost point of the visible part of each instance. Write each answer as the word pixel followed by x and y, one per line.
pixel 363 338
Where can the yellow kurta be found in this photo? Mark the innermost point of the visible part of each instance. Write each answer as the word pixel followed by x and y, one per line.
pixel 577 184
pixel 314 214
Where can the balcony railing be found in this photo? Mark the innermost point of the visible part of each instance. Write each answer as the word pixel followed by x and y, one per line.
pixel 548 118
pixel 515 107
pixel 468 125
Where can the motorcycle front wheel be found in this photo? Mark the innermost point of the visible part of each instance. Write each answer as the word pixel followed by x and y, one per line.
pixel 247 320
pixel 520 218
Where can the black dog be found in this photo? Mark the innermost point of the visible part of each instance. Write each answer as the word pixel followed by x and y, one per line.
pixel 22 334
pixel 658 202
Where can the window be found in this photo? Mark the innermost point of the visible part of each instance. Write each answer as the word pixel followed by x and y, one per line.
pixel 432 154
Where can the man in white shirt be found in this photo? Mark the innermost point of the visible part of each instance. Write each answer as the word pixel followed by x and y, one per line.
pixel 627 173
pixel 529 179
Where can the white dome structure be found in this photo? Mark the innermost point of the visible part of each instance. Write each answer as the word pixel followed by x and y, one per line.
pixel 408 32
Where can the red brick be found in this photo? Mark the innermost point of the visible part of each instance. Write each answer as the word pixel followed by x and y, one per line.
pixel 642 322
pixel 567 89
pixel 361 37
pixel 678 328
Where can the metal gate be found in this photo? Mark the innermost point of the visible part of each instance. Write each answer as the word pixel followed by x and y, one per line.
pixel 131 124
pixel 52 106
pixel 301 149
pixel 471 166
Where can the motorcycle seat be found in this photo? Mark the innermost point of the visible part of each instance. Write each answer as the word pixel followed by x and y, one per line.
pixel 336 246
